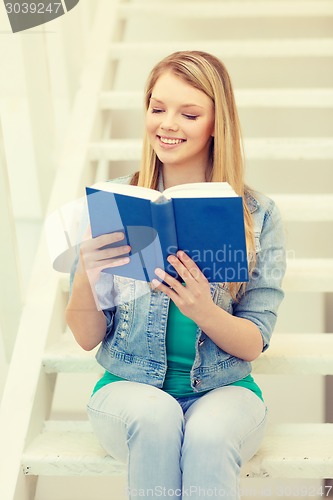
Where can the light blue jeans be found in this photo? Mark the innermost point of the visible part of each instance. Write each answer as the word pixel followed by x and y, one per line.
pixel 179 448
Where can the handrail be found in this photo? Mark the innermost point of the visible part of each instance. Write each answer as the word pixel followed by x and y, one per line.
pixel 11 294
pixel 27 400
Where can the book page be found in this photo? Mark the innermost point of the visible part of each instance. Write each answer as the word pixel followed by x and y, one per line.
pixel 200 190
pixel 127 189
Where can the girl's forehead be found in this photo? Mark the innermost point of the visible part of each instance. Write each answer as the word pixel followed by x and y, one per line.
pixel 171 87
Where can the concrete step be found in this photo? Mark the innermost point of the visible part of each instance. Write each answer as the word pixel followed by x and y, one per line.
pixel 272 48
pixel 266 148
pixel 225 10
pixel 245 98
pixel 308 353
pixel 288 450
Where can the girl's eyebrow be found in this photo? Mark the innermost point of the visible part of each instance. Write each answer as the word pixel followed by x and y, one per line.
pixel 182 106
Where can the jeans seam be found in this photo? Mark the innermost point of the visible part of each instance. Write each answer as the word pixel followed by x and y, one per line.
pixel 262 421
pixel 107 414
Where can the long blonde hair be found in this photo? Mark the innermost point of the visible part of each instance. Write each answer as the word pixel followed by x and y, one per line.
pixel 207 73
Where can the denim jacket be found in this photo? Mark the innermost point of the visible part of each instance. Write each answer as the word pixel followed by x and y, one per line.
pixel 134 346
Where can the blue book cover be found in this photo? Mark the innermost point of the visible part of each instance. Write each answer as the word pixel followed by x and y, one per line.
pixel 206 220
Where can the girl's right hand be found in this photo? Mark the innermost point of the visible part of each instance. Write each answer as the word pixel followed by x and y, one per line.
pixel 94 257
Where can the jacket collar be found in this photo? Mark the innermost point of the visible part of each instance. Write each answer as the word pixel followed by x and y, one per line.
pixel 251 202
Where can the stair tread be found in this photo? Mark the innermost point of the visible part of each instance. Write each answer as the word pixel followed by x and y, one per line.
pixel 267 47
pixel 235 9
pixel 295 148
pixel 301 353
pixel 304 207
pixel 288 450
pixel 309 275
pixel 259 97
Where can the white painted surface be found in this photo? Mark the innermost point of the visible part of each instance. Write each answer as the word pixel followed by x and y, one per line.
pixel 235 9
pixel 285 48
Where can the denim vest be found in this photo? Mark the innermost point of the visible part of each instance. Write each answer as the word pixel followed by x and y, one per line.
pixel 134 346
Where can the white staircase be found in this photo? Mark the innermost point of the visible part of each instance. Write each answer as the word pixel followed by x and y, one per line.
pixel 100 145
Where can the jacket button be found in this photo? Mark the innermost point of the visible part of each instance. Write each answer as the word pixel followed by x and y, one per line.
pixel 201 341
pixel 196 382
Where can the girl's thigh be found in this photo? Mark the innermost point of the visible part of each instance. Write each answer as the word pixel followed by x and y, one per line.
pixel 121 410
pixel 228 416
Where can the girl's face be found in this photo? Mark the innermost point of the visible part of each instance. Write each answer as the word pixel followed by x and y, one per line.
pixel 180 123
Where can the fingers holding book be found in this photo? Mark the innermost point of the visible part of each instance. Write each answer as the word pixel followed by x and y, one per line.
pixel 194 299
pixel 100 253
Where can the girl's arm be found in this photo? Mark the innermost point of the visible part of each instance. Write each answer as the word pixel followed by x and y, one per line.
pixel 83 314
pixel 237 336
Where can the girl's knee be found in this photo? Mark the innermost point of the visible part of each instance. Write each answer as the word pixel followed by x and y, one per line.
pixel 156 416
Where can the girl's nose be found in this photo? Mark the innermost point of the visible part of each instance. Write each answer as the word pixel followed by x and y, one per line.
pixel 169 123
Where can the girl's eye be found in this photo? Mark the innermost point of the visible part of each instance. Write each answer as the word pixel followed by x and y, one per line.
pixel 156 110
pixel 191 117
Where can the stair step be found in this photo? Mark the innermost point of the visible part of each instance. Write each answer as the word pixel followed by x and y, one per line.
pixel 266 148
pixel 235 9
pixel 309 275
pixel 305 207
pixel 297 353
pixel 68 449
pixel 288 450
pixel 245 98
pixel 309 353
pixel 268 47
pixel 303 275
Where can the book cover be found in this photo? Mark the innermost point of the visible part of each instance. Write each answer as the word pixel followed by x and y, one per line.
pixel 205 220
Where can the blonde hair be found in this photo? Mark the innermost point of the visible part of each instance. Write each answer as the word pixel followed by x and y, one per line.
pixel 207 73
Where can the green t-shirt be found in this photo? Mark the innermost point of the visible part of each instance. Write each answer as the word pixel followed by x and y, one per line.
pixel 180 348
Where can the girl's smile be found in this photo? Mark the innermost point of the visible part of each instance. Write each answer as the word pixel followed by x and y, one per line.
pixel 170 142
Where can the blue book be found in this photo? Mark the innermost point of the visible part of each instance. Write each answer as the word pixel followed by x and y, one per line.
pixel 204 219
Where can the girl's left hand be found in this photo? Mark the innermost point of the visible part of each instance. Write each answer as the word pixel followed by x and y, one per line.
pixel 194 300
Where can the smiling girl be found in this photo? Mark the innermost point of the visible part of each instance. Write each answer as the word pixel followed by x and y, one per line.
pixel 177 402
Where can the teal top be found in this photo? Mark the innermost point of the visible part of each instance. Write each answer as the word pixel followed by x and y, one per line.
pixel 180 348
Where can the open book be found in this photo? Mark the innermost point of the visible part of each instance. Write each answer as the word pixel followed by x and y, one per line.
pixel 204 219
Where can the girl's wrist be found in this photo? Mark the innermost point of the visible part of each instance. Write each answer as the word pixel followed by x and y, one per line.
pixel 83 275
pixel 205 321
